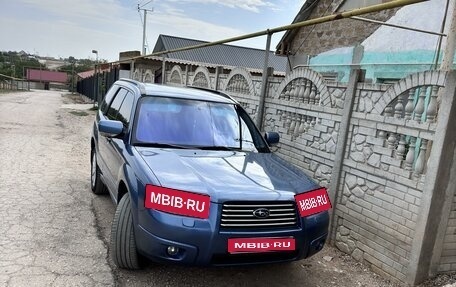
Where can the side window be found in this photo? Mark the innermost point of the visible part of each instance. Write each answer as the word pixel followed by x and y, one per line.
pixel 115 105
pixel 108 98
pixel 126 109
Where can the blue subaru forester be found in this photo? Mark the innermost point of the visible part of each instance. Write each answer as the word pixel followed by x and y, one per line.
pixel 195 182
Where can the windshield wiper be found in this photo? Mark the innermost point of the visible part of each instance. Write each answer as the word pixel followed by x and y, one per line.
pixel 164 145
pixel 230 148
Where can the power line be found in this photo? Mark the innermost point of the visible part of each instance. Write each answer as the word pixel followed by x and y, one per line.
pixel 142 5
pixel 439 41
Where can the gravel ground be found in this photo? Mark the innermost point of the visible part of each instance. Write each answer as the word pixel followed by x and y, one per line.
pixel 56 232
pixel 48 233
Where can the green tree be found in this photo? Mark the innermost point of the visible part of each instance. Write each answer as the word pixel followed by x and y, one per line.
pixel 14 64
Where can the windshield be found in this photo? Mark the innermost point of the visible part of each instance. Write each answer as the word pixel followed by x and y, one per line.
pixel 183 123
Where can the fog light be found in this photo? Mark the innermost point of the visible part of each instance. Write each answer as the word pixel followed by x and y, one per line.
pixel 172 250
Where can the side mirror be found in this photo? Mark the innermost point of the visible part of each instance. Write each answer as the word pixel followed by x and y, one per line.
pixel 272 138
pixel 108 128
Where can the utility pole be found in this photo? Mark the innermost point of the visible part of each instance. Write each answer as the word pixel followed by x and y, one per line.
pixel 95 79
pixel 140 7
pixel 72 61
pixel 144 33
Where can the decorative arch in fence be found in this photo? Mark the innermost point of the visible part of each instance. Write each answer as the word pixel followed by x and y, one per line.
pixel 137 75
pixel 201 78
pixel 302 112
pixel 306 86
pixel 418 82
pixel 148 76
pixel 298 112
pixel 407 112
pixel 239 81
pixel 176 77
pixel 239 84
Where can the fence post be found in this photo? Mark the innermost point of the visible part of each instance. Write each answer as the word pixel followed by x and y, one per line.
pixel 217 77
pixel 264 84
pixel 132 69
pixel 342 143
pixel 163 70
pixel 186 76
pixel 438 188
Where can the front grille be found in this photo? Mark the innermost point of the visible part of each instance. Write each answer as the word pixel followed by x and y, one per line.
pixel 241 214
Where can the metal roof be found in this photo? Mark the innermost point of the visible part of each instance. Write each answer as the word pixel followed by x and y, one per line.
pixel 191 93
pixel 225 55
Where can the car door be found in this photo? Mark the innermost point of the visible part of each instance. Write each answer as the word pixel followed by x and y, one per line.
pixel 106 144
pixel 116 147
pixel 102 141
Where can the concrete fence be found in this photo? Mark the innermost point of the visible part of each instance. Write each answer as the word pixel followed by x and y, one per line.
pixel 385 153
pixel 10 83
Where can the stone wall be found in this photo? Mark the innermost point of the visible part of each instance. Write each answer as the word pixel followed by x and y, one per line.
pixel 313 40
pixel 381 169
pixel 309 130
pixel 384 165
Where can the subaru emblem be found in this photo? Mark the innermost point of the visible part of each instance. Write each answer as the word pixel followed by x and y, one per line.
pixel 261 213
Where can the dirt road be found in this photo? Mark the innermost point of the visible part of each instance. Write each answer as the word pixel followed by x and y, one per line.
pixel 54 231
pixel 48 234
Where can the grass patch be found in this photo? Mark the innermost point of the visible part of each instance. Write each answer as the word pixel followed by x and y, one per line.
pixel 79 113
pixel 69 98
pixel 93 109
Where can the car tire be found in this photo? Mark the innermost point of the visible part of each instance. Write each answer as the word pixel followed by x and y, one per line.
pixel 123 243
pixel 96 184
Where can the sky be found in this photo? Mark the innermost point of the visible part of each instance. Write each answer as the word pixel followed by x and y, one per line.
pixel 404 40
pixel 63 28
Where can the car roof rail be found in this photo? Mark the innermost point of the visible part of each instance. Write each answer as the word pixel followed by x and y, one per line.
pixel 138 84
pixel 214 91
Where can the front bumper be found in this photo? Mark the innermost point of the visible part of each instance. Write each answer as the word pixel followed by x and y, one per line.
pixel 203 242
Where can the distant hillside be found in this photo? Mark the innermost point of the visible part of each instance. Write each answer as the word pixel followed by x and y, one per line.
pixel 14 63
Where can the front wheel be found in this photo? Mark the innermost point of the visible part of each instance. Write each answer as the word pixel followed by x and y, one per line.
pixel 123 244
pixel 95 181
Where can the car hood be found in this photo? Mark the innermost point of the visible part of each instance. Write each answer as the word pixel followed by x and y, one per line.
pixel 227 175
